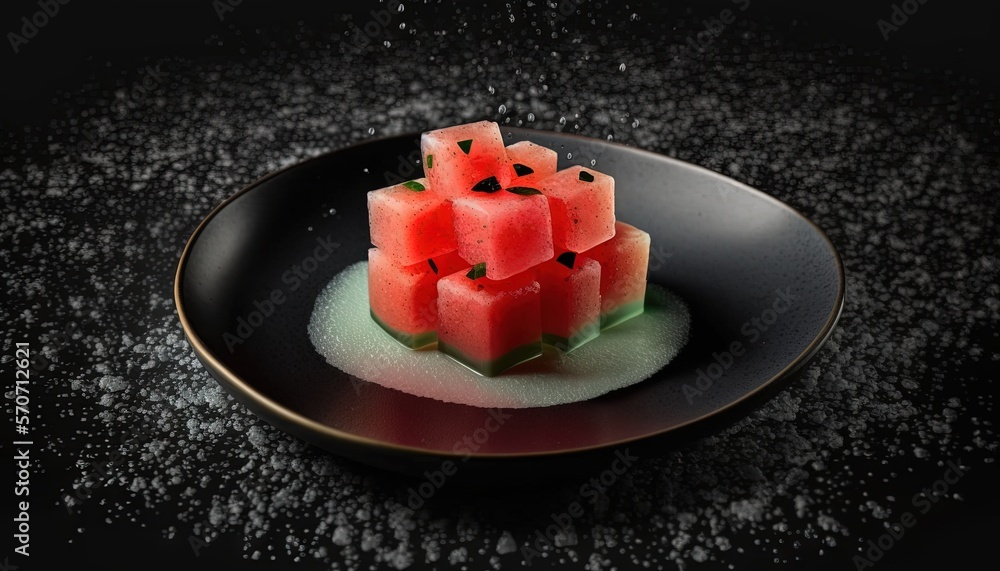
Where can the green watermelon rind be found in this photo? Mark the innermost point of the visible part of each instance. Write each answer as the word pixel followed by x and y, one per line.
pixel 494 367
pixel 622 314
pixel 582 337
pixel 408 340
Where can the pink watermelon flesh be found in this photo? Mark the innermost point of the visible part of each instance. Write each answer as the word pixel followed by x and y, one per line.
pixel 509 232
pixel 458 158
pixel 530 163
pixel 571 300
pixel 624 260
pixel 408 224
pixel 489 325
pixel 403 299
pixel 582 205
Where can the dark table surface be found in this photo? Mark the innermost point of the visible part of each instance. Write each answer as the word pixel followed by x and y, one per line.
pixel 125 126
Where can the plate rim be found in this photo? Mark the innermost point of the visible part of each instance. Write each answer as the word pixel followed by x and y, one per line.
pixel 237 383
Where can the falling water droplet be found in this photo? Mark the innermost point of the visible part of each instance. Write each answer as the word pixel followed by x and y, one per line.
pixel 492 91
pixel 387 44
pixel 621 67
pixel 635 123
pixel 634 17
pixel 562 120
pixel 502 109
pixel 569 155
pixel 371 130
pixel 400 9
pixel 593 162
pixel 610 137
pixel 531 117
pixel 402 25
pixel 512 18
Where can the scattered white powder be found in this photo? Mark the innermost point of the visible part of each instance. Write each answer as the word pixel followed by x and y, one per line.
pixel 906 191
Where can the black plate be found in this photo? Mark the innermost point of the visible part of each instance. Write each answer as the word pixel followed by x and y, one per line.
pixel 765 287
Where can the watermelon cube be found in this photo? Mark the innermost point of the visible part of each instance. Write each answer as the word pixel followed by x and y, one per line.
pixel 489 325
pixel 409 223
pixel 403 299
pixel 582 205
pixel 571 300
pixel 509 232
pixel 623 260
pixel 530 163
pixel 457 159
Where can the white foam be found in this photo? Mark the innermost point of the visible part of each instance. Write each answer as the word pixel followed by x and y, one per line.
pixel 343 332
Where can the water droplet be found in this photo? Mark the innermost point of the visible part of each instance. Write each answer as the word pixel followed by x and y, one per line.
pixel 593 162
pixel 562 120
pixel 371 130
pixel 635 123
pixel 387 44
pixel 400 9
pixel 621 67
pixel 569 155
pixel 492 91
pixel 511 17
pixel 402 25
pixel 531 117
pixel 610 137
pixel 502 109
pixel 333 211
pixel 634 17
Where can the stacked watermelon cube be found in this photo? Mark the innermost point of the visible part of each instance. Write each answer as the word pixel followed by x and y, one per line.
pixel 497 252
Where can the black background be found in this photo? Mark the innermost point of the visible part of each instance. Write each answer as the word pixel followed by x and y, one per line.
pixel 91 46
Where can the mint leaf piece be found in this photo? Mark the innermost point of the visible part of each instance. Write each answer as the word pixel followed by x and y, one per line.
pixel 477 271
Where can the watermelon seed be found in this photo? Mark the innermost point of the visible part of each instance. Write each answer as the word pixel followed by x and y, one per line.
pixel 523 190
pixel 567 259
pixel 465 145
pixel 522 170
pixel 433 265
pixel 586 176
pixel 490 184
pixel 430 161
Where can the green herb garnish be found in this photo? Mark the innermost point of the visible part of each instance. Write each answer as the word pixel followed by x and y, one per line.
pixel 487 185
pixel 433 265
pixel 586 176
pixel 522 170
pixel 430 161
pixel 414 186
pixel 567 259
pixel 465 145
pixel 523 190
pixel 477 271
